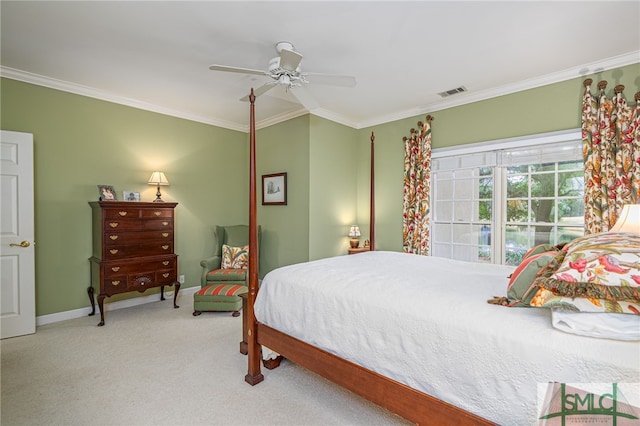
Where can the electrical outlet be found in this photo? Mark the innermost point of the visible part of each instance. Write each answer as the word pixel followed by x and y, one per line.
pixel 181 279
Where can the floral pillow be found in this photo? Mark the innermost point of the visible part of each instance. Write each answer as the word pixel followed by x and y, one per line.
pixel 599 273
pixel 235 257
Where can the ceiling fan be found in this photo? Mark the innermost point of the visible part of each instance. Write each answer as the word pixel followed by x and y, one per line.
pixel 284 70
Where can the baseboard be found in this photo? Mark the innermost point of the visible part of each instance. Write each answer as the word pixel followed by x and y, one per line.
pixel 83 312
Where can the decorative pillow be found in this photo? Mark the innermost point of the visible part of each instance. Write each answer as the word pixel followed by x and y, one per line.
pixel 599 273
pixel 235 257
pixel 542 248
pixel 521 287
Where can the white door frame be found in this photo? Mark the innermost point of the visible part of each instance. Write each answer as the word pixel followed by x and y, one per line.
pixel 17 251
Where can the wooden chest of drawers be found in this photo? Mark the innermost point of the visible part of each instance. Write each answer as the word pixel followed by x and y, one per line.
pixel 132 249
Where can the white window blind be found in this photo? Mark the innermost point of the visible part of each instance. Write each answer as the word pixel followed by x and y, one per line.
pixel 469 185
pixel 531 154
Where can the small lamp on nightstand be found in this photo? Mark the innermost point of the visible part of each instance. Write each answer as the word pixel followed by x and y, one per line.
pixel 354 233
pixel 158 178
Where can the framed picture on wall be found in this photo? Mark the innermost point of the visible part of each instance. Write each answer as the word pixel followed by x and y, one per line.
pixel 130 196
pixel 274 189
pixel 107 193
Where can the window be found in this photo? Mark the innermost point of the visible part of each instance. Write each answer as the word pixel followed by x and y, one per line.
pixel 491 202
pixel 544 205
pixel 463 211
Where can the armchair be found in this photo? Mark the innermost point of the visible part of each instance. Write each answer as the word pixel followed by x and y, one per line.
pixel 220 286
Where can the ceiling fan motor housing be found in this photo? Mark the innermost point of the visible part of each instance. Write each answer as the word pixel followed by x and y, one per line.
pixel 274 64
pixel 284 45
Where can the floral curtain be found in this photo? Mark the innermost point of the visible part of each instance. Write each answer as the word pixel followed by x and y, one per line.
pixel 417 175
pixel 611 152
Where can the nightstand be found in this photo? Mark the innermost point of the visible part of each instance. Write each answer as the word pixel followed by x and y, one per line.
pixel 358 250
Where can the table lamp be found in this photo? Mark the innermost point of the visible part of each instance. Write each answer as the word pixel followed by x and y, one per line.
pixel 158 178
pixel 354 233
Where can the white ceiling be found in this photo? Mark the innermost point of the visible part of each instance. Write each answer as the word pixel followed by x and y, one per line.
pixel 156 54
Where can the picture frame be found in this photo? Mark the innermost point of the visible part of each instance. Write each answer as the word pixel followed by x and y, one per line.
pixel 107 193
pixel 130 196
pixel 274 189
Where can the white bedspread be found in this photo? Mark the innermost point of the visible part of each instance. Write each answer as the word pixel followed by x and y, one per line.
pixel 425 322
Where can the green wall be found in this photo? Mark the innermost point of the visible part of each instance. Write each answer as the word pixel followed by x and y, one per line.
pixel 80 142
pixel 333 166
pixel 284 147
pixel 548 108
pixel 319 157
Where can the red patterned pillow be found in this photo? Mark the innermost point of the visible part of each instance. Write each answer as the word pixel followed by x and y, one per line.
pixel 541 248
pixel 522 287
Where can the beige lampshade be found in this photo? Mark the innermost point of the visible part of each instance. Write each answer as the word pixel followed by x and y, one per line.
pixel 629 220
pixel 158 178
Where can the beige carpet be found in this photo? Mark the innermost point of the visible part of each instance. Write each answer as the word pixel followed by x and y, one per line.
pixel 155 365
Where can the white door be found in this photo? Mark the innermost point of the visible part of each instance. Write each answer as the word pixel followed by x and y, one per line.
pixel 17 252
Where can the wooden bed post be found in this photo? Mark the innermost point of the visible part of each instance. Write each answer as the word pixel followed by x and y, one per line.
pixel 254 376
pixel 372 201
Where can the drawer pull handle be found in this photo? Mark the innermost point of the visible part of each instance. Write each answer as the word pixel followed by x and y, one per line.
pixel 164 247
pixel 165 262
pixel 113 251
pixel 113 224
pixel 165 223
pixel 115 282
pixel 165 234
pixel 157 213
pixel 165 275
pixel 113 237
pixel 122 213
pixel 115 268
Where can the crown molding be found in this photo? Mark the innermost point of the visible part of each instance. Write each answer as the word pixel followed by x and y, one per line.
pixel 471 97
pixel 336 118
pixel 279 118
pixel 458 100
pixel 78 89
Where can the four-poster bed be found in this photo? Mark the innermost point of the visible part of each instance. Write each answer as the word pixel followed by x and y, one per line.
pixel 396 397
pixel 415 374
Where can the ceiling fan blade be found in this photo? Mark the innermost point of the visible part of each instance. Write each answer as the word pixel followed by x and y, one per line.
pixel 305 98
pixel 236 69
pixel 289 60
pixel 331 79
pixel 260 90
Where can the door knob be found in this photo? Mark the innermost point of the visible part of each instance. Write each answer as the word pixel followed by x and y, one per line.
pixel 22 244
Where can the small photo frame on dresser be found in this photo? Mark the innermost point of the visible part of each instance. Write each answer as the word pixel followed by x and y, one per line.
pixel 131 196
pixel 107 193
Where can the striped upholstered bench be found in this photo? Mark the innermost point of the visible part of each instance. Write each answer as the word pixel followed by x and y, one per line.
pixel 220 296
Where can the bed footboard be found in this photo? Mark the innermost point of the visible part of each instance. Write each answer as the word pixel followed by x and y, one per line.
pixel 408 403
